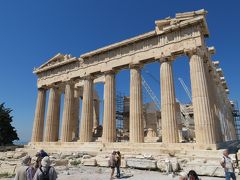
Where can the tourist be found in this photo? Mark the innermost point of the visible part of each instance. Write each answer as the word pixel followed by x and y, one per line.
pixel 192 175
pixel 227 164
pixel 118 163
pixel 42 153
pixel 37 163
pixel 112 163
pixel 25 172
pixel 45 171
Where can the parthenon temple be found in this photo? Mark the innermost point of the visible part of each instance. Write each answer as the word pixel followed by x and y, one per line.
pixel 74 77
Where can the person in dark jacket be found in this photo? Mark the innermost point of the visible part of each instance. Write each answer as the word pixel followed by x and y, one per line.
pixel 118 163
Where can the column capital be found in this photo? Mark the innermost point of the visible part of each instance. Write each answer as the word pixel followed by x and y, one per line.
pixel 112 71
pixel 166 59
pixel 88 77
pixel 201 51
pixel 136 66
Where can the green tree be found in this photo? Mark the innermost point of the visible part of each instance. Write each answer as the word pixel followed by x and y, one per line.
pixel 7 132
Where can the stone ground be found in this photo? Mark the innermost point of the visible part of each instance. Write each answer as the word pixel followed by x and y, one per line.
pixel 101 173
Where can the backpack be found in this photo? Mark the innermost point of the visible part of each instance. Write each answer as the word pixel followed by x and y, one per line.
pixel 224 162
pixel 44 175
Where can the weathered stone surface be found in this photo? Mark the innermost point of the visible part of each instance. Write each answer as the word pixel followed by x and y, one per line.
pixel 86 156
pixel 7 168
pixel 2 155
pixel 89 162
pixel 18 155
pixel 10 154
pixel 65 155
pixel 161 165
pixel 102 162
pixel 205 169
pixel 142 163
pixel 60 162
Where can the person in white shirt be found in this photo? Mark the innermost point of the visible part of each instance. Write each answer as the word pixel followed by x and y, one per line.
pixel 227 164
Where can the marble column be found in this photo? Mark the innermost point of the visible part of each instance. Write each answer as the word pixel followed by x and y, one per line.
pixel 214 104
pixel 135 116
pixel 95 113
pixel 75 133
pixel 109 116
pixel 67 124
pixel 87 111
pixel 203 117
pixel 168 103
pixel 37 133
pixel 52 120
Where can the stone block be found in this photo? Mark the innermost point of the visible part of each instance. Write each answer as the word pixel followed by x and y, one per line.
pixel 205 170
pixel 7 168
pixel 18 155
pixel 10 154
pixel 62 162
pixel 89 162
pixel 103 162
pixel 142 163
pixel 86 156
pixel 65 155
pixel 161 165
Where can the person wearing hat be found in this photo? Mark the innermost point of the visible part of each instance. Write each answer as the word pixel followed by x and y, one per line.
pixel 25 172
pixel 45 171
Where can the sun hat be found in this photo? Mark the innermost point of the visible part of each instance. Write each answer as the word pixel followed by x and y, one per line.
pixel 45 161
pixel 25 160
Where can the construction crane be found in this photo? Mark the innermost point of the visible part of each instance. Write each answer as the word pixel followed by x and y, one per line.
pixel 151 93
pixel 185 88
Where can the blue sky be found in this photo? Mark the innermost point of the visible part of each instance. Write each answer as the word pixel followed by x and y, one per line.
pixel 31 32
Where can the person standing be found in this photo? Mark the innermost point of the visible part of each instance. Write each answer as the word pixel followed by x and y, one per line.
pixel 112 163
pixel 25 172
pixel 45 171
pixel 228 166
pixel 118 163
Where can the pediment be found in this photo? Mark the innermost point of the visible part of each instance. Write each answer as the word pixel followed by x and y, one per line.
pixel 57 60
pixel 181 20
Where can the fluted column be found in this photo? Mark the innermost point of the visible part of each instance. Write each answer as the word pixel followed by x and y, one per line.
pixel 203 117
pixel 76 106
pixel 87 111
pixel 135 117
pixel 95 113
pixel 52 120
pixel 67 124
pixel 168 103
pixel 214 104
pixel 109 116
pixel 37 133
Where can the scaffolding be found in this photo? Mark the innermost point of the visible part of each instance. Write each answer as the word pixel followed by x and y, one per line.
pixel 236 116
pixel 119 115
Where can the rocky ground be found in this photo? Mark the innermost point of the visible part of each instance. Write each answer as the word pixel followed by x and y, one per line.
pixel 81 165
pixel 102 173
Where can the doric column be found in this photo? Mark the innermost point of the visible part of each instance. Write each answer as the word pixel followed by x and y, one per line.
pixel 67 124
pixel 109 116
pixel 52 120
pixel 37 133
pixel 76 106
pixel 214 104
pixel 168 103
pixel 203 116
pixel 87 111
pixel 135 117
pixel 95 113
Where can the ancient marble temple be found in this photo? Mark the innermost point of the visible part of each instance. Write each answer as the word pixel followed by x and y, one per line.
pixel 74 78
